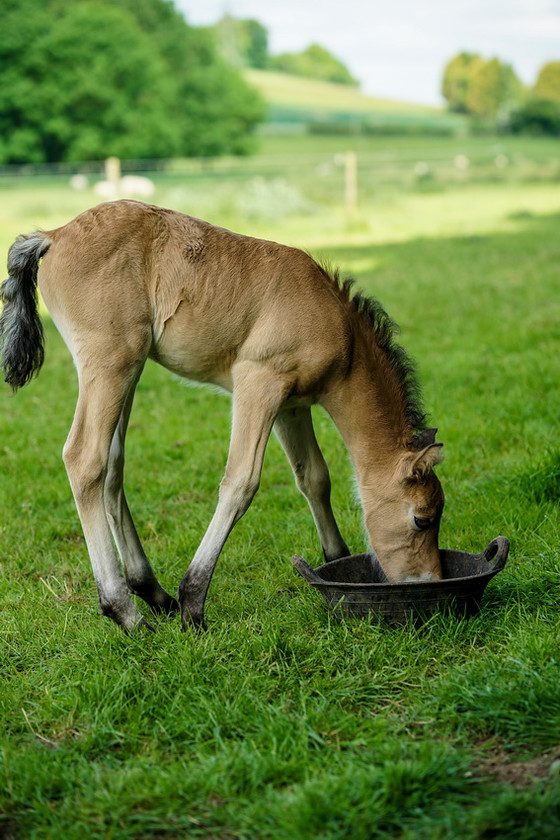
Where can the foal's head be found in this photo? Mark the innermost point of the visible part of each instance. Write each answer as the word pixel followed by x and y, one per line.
pixel 378 412
pixel 404 521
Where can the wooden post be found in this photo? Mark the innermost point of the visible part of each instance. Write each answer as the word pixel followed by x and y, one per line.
pixel 113 173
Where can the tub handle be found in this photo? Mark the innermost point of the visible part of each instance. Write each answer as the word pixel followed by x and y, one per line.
pixel 305 570
pixel 496 553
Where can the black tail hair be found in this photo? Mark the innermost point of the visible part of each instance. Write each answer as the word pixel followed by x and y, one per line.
pixel 21 330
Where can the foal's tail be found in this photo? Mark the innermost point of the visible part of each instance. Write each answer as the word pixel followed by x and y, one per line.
pixel 21 331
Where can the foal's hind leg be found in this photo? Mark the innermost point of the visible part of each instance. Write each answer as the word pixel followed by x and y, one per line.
pixel 138 571
pixel 294 430
pixel 102 395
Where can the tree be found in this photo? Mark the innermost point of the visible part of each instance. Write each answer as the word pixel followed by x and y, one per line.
pixel 456 80
pixel 493 88
pixel 315 62
pixel 256 49
pixel 548 82
pixel 215 110
pixel 88 79
pixel 537 117
pixel 483 88
pixel 119 97
pixel 243 43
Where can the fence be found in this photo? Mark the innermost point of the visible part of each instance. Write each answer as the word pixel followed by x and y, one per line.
pixel 323 176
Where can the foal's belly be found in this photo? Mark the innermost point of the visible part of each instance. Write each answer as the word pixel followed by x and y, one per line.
pixel 193 365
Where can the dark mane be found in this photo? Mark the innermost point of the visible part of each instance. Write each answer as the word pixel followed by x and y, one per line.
pixel 383 329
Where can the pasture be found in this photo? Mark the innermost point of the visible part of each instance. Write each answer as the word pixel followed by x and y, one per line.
pixel 281 722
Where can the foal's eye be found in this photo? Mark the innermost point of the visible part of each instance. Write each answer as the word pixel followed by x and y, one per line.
pixel 422 524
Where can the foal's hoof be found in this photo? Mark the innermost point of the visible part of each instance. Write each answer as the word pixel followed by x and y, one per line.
pixel 196 623
pixel 169 607
pixel 141 627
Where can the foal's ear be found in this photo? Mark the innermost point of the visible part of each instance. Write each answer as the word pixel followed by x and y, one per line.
pixel 423 439
pixel 419 465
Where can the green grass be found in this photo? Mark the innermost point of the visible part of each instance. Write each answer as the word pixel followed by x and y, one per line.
pixel 280 722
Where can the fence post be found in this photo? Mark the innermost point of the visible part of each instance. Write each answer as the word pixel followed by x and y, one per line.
pixel 113 172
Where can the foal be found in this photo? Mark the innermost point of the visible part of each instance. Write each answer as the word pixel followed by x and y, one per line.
pixel 125 282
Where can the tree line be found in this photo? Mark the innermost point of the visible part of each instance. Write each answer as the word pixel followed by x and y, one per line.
pixel 490 92
pixel 244 43
pixel 85 79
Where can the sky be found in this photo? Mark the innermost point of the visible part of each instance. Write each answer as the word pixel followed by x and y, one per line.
pixel 398 48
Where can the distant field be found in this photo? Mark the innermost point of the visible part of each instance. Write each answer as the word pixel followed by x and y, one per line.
pixel 294 101
pixel 283 89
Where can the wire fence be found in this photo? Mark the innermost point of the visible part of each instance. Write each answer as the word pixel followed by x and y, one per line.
pixel 320 177
pixel 494 158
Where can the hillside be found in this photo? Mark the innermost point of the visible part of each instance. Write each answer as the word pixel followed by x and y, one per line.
pixel 297 102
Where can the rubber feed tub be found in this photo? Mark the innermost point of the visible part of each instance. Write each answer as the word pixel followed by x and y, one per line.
pixel 356 586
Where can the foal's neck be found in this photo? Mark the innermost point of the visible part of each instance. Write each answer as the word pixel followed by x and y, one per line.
pixel 367 406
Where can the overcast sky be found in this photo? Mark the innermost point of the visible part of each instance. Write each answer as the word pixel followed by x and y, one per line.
pixel 398 48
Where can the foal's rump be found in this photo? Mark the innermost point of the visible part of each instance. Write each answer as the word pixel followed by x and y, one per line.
pixel 95 283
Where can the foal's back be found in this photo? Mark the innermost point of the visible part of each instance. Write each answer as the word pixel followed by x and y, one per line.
pixel 197 298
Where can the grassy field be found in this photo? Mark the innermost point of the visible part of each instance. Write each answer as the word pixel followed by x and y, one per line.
pixel 296 104
pixel 283 89
pixel 280 722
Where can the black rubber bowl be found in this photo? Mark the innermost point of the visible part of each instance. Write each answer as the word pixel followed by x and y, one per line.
pixel 356 586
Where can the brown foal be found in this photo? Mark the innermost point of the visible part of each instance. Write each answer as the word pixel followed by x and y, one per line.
pixel 127 281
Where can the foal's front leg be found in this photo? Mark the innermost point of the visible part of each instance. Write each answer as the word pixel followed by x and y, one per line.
pixel 257 397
